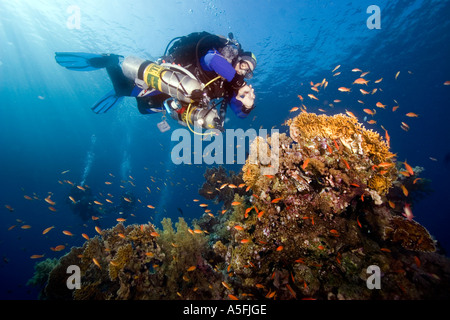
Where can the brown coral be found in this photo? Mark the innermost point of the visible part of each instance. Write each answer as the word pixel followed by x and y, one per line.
pixel 357 142
pixel 410 234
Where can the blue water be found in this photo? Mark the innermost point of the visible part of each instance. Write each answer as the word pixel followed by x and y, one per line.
pixel 47 127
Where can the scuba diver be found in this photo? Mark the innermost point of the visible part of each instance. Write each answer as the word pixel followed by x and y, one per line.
pixel 199 72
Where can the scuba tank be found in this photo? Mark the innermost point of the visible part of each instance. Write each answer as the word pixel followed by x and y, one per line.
pixel 177 82
pixel 161 78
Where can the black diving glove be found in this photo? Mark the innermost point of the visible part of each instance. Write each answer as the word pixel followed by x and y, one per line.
pixel 246 110
pixel 197 95
pixel 237 82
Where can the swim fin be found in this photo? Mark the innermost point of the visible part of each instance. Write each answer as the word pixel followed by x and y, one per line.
pixel 106 102
pixel 81 61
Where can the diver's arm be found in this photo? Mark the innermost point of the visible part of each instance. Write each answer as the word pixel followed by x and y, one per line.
pixel 214 61
pixel 239 108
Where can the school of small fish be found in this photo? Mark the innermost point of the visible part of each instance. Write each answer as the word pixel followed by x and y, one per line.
pixel 59 203
pixel 353 90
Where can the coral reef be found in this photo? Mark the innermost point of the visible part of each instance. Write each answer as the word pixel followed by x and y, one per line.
pixel 333 206
pixel 213 188
pixel 42 270
pixel 139 262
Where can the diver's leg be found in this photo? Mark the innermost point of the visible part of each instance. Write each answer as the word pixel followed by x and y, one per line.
pixel 122 85
pixel 156 102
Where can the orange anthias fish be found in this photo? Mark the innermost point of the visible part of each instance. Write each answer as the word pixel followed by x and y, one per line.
pixel 409 168
pixel 412 115
pixel 47 230
pixel 359 223
pixel 294 109
pixel 192 268
pixel 96 263
pixel 346 164
pixel 49 201
pixel 380 105
pixel 408 212
pixel 417 261
pixel 311 96
pixel 364 74
pixel 350 114
pixel 371 112
pixel 305 164
pixel 67 233
pixel 361 81
pixel 235 203
pixel 226 285
pixel 337 67
pixel 276 200
pixel 344 89
pixel 404 126
pixel 364 91
pixel 36 256
pixel 405 191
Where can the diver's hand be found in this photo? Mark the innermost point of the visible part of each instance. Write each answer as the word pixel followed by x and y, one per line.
pixel 246 95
